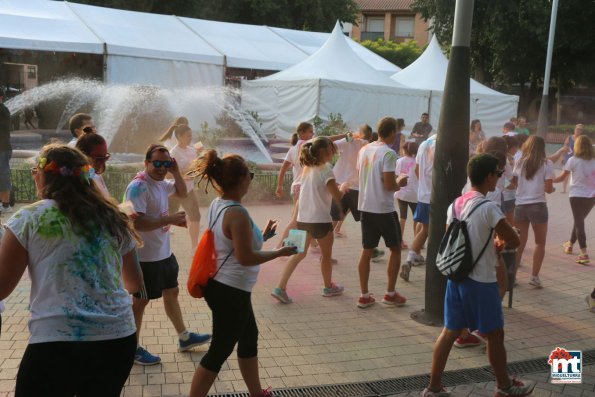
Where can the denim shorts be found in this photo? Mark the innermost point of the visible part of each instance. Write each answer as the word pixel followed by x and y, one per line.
pixel 5 180
pixel 474 305
pixel 507 206
pixel 535 213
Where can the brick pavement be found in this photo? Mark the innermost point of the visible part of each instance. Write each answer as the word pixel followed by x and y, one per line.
pixel 320 340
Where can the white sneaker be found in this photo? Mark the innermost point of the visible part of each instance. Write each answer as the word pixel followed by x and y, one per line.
pixel 536 282
pixel 419 260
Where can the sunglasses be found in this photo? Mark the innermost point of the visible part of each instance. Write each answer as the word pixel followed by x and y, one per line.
pixel 159 163
pixel 102 159
pixel 88 130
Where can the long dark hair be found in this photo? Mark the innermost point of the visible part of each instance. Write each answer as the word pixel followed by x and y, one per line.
pixel 77 197
pixel 221 173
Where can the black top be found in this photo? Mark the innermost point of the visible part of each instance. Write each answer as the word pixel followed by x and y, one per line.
pixel 4 128
pixel 422 129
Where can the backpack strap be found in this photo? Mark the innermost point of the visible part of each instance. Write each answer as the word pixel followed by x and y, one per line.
pixel 212 225
pixel 476 207
pixel 489 236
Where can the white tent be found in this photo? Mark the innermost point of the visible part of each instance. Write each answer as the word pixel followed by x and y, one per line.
pixel 310 42
pixel 428 72
pixel 332 80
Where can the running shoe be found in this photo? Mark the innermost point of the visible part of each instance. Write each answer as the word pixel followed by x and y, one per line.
pixel 267 393
pixel 536 282
pixel 395 300
pixel 440 393
pixel 419 260
pixel 281 295
pixel 591 303
pixel 405 270
pixel 567 247
pixel 143 357
pixel 469 341
pixel 362 302
pixel 481 336
pixel 377 254
pixel 583 259
pixel 333 290
pixel 193 341
pixel 518 388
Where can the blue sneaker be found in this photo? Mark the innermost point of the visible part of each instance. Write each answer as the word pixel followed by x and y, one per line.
pixel 193 341
pixel 143 357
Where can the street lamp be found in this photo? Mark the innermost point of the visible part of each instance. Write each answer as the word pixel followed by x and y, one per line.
pixel 542 122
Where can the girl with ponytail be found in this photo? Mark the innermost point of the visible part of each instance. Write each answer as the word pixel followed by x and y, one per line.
pixel 318 189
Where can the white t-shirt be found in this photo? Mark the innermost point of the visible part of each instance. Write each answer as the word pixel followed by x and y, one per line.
pixel 232 273
pixel 150 197
pixel 346 167
pixel 98 179
pixel 72 142
pixel 315 200
pixel 77 292
pixel 373 161
pixel 406 166
pixel 479 226
pixel 582 177
pixel 293 157
pixel 184 157
pixel 508 194
pixel 511 133
pixel 425 160
pixel 532 191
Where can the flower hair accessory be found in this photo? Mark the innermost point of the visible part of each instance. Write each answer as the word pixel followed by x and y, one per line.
pixel 86 172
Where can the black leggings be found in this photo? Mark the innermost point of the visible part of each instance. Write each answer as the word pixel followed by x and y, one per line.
pixel 581 206
pixel 233 322
pixel 403 208
pixel 84 369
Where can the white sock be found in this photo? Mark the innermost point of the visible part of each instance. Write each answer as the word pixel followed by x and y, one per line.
pixel 366 295
pixel 184 335
pixel 391 294
pixel 411 255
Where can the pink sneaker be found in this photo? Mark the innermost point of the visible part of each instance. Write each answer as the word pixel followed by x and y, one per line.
pixel 470 341
pixel 362 302
pixel 395 300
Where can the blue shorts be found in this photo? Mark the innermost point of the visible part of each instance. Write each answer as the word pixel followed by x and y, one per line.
pixel 474 305
pixel 5 181
pixel 422 213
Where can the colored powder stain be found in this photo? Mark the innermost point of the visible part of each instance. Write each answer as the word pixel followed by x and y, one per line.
pixel 135 189
pixel 52 223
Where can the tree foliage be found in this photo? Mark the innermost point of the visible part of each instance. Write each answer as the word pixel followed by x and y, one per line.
pixel 509 39
pixel 315 15
pixel 401 54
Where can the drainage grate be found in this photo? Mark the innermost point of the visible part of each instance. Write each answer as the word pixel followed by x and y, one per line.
pixel 387 387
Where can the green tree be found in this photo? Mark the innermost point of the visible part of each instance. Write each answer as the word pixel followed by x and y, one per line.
pixel 401 54
pixel 315 15
pixel 509 41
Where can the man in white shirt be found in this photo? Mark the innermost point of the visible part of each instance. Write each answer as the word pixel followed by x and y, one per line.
pixel 148 193
pixel 424 164
pixel 475 302
pixel 377 183
pixel 508 129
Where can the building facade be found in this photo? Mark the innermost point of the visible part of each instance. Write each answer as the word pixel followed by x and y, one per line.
pixel 390 20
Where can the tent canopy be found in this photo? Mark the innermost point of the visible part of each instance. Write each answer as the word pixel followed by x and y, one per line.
pixel 428 72
pixel 45 26
pixel 332 80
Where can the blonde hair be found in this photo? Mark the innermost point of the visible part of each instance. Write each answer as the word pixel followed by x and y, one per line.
pixel 583 148
pixel 310 151
pixel 179 123
pixel 533 156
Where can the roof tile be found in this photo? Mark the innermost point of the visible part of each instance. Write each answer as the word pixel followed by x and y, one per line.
pixel 384 5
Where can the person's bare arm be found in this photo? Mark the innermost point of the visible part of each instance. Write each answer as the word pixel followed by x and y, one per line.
pixel 179 182
pixel 417 170
pixel 131 272
pixel 549 186
pixel 13 262
pixel 238 227
pixel 337 194
pixel 562 177
pixel 145 223
pixel 390 182
pixel 506 233
pixel 284 167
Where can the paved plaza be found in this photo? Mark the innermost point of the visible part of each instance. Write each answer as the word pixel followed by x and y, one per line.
pixel 318 341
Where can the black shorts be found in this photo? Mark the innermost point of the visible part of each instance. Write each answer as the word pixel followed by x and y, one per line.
pixel 348 203
pixel 316 230
pixel 375 226
pixel 158 276
pixel 403 208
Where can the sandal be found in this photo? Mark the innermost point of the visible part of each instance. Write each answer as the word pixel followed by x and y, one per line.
pixel 567 247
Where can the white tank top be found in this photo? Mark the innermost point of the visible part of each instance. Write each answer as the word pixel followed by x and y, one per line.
pixel 231 272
